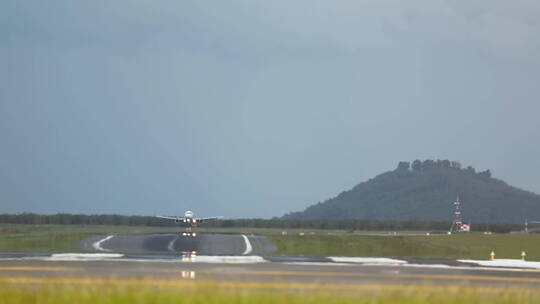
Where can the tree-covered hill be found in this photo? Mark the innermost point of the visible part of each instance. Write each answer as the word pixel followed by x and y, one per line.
pixel 425 190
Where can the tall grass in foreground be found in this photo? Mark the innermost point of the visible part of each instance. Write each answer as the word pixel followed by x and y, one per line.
pixel 210 294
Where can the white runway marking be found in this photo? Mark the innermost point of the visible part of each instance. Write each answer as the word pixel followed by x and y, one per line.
pixel 171 244
pixel 378 261
pixel 248 245
pixel 504 263
pixel 118 257
pixel 97 245
pixel 84 256
pixel 229 259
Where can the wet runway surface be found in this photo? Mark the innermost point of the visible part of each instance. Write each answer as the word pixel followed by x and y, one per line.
pixel 174 243
pixel 187 268
pixel 174 259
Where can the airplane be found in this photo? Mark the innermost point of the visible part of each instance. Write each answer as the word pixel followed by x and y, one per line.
pixel 190 220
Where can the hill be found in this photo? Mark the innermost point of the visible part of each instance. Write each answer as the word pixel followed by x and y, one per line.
pixel 425 190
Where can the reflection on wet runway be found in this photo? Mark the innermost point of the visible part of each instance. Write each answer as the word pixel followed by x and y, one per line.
pixel 189 256
pixel 188 274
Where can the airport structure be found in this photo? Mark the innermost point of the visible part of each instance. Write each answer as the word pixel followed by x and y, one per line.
pixel 457 222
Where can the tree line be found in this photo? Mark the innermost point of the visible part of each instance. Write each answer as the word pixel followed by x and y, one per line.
pixel 347 224
pixel 429 164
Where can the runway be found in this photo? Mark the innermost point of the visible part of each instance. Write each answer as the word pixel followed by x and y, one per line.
pixel 246 260
pixel 267 274
pixel 175 243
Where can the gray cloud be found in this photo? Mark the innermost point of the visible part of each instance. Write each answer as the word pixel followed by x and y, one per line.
pixel 255 109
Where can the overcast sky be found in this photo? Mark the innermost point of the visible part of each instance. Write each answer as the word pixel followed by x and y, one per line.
pixel 256 108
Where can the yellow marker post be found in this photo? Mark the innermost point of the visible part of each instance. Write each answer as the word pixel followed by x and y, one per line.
pixel 492 255
pixel 523 255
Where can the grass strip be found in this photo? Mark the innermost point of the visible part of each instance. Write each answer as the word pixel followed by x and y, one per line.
pixel 188 291
pixel 459 246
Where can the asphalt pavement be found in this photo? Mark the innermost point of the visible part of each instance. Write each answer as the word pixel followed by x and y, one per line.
pixel 170 258
pixel 174 243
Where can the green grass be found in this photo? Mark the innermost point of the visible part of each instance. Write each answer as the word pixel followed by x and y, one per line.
pixel 382 294
pixel 463 246
pixel 63 238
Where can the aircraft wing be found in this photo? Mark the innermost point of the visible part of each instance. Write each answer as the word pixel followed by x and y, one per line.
pixel 209 218
pixel 171 218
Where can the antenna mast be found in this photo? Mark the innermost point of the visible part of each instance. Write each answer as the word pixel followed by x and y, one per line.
pixel 457 223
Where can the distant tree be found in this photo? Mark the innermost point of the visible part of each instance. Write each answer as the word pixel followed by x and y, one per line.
pixel 344 224
pixel 428 164
pixel 446 163
pixel 403 166
pixel 485 174
pixel 456 165
pixel 470 170
pixel 417 165
pixel 228 223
